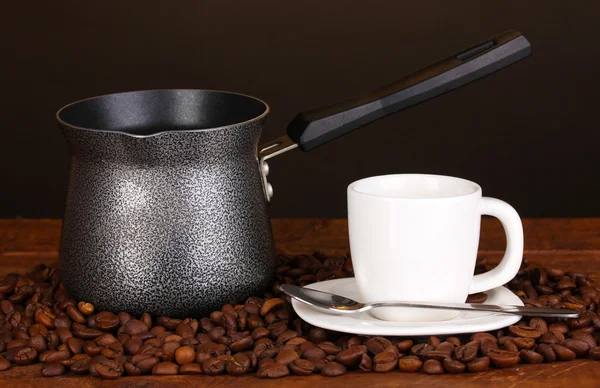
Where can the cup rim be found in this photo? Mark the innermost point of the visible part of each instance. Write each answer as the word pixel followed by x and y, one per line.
pixel 352 188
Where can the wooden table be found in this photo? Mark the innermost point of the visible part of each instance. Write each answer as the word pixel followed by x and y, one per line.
pixel 569 244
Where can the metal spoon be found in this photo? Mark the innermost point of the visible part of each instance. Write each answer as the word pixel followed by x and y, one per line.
pixel 343 305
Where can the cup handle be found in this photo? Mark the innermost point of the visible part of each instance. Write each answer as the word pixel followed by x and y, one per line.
pixel 511 262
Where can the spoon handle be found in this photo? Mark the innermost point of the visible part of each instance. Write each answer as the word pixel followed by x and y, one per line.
pixel 504 309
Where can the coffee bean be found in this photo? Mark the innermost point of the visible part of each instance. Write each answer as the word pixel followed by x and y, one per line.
pixel 53 369
pixel 376 345
pixel 107 339
pixel 329 347
pixel 453 340
pixel 404 346
pixel 314 352
pixel 477 298
pixel 524 343
pixel 486 345
pixel 510 345
pixel 75 314
pixel 238 364
pixel 146 365
pixel 453 366
pixel 352 356
pixel 525 331
pixel 273 370
pixel 539 324
pixel 81 365
pixel 75 345
pixel 481 336
pixel 317 335
pixel 191 368
pixel 168 351
pixel 17 343
pixel 113 350
pixel 85 308
pixel 384 362
pixel 410 364
pixel 594 354
pixel 531 357
pixel 184 354
pixel 40 329
pixel 135 326
pixel 479 365
pixel 503 358
pixel 131 369
pixel 107 321
pixel 547 352
pixel 301 367
pixel 57 355
pixel 38 342
pixel 91 348
pixel 25 356
pixel 286 356
pixel 589 339
pixel 165 368
pixel 108 369
pixel 579 347
pixel 433 367
pixel 333 369
pixel 563 353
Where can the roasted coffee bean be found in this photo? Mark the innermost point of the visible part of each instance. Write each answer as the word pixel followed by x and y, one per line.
pixel 333 369
pixel 113 350
pixel 547 352
pixel 75 345
pixel 85 308
pixel 563 353
pixel 579 347
pixel 38 329
pixel 539 324
pixel 366 363
pixel 107 339
pixel 146 365
pixel 410 364
pixel 477 298
pixel 75 314
pixel 351 356
pixel 53 369
pixel 301 367
pixel 486 345
pixel 479 365
pixel 131 369
pixel 81 365
pixel 107 321
pixel 433 367
pixel 594 354
pixel 168 351
pixel 165 368
pixel 329 347
pixel 17 343
pixel 57 356
pixel 588 338
pixel 384 362
pixel 531 357
pixel 273 370
pixel 453 340
pixel 404 346
pixel 184 355
pixel 525 331
pixel 38 342
pixel 133 345
pixel 135 326
pixel 503 358
pixel 433 341
pixel 481 336
pixel 88 334
pixel 238 364
pixel 286 336
pixel 214 366
pixel 191 368
pixel 91 348
pixel 286 356
pixel 25 356
pixel 453 366
pixel 510 345
pixel 314 352
pixel 108 369
pixel 376 345
pixel 524 343
pixel 317 335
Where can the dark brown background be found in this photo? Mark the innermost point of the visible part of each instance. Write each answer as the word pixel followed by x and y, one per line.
pixel 528 134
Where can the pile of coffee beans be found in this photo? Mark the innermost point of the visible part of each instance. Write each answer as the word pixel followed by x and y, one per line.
pixel 39 322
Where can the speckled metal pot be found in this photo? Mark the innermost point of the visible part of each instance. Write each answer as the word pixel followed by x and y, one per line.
pixel 165 210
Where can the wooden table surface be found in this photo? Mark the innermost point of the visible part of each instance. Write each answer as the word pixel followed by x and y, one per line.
pixel 568 244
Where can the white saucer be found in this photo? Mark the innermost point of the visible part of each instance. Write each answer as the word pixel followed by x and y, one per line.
pixel 365 324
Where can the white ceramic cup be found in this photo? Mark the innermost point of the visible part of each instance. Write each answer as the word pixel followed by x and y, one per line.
pixel 415 238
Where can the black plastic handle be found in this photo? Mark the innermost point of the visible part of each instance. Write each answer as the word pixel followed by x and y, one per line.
pixel 316 127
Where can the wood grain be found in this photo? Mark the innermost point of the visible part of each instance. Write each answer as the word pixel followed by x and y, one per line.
pixel 569 244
